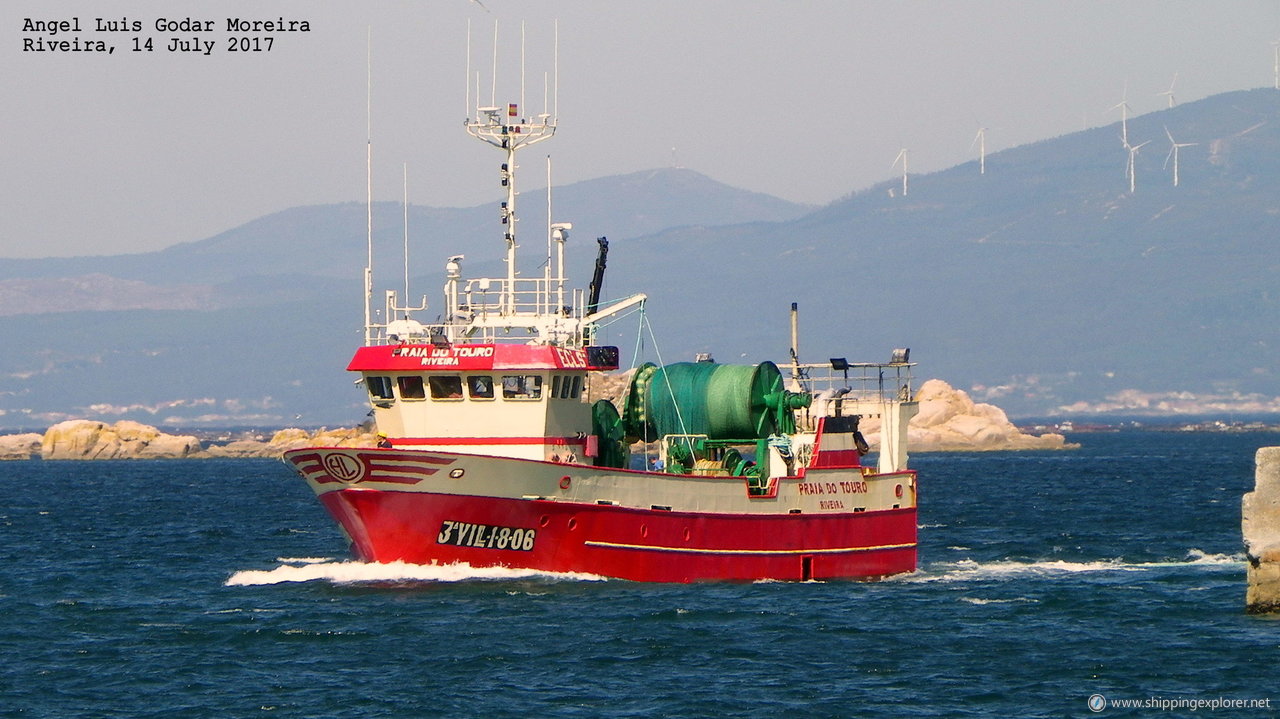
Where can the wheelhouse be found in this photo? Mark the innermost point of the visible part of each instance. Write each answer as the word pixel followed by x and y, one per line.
pixel 452 397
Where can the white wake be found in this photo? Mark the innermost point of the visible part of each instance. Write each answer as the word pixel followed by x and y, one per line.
pixel 970 570
pixel 311 569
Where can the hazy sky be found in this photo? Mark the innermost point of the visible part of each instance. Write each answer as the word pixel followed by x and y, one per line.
pixel 809 101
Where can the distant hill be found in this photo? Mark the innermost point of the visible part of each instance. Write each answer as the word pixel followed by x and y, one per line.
pixel 1043 285
pixel 244 265
pixel 255 325
pixel 327 239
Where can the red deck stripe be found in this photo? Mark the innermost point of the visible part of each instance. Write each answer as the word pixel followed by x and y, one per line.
pixel 471 441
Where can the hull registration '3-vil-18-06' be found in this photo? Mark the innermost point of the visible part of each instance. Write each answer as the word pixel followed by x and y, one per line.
pixel 491 453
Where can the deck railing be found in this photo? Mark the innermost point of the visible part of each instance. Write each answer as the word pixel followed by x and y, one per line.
pixel 488 310
pixel 848 388
pixel 492 297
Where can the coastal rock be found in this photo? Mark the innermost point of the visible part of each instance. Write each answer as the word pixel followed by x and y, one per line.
pixel 1260 526
pixel 20 446
pixel 89 439
pixel 949 420
pixel 612 386
pixel 287 439
pixel 238 449
pixel 294 438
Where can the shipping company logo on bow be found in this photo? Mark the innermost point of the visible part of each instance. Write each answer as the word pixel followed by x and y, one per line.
pixel 344 467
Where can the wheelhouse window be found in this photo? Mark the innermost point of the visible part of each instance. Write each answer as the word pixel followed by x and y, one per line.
pixel 566 387
pixel 445 386
pixel 411 387
pixel 480 386
pixel 379 387
pixel 521 387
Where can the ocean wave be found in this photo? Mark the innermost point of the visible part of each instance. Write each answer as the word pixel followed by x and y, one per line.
pixel 241 610
pixel 970 570
pixel 350 572
pixel 980 601
pixel 1195 556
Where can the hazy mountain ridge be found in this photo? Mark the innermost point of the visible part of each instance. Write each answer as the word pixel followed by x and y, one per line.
pixel 1043 284
pixel 325 239
pixel 185 335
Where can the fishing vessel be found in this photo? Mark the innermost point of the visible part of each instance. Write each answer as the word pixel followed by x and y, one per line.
pixel 502 444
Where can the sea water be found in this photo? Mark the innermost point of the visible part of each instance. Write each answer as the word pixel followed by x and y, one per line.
pixel 219 588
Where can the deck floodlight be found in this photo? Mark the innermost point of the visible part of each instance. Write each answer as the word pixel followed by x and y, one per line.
pixel 840 364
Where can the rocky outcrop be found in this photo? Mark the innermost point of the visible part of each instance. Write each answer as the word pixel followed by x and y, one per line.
pixel 293 438
pixel 20 446
pixel 950 421
pixel 1260 525
pixel 612 386
pixel 89 439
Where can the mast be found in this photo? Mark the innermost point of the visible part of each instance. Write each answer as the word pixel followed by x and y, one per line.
pixel 537 310
pixel 406 234
pixel 795 341
pixel 546 271
pixel 508 131
pixel 466 79
pixel 368 267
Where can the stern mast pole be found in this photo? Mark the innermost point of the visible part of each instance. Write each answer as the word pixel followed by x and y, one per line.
pixel 368 267
pixel 795 341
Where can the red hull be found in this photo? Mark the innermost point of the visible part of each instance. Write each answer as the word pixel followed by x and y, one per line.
pixel 635 544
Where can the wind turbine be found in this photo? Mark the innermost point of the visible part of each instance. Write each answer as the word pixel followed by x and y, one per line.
pixel 902 155
pixel 981 141
pixel 1133 152
pixel 1173 153
pixel 1169 92
pixel 1276 66
pixel 1123 105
